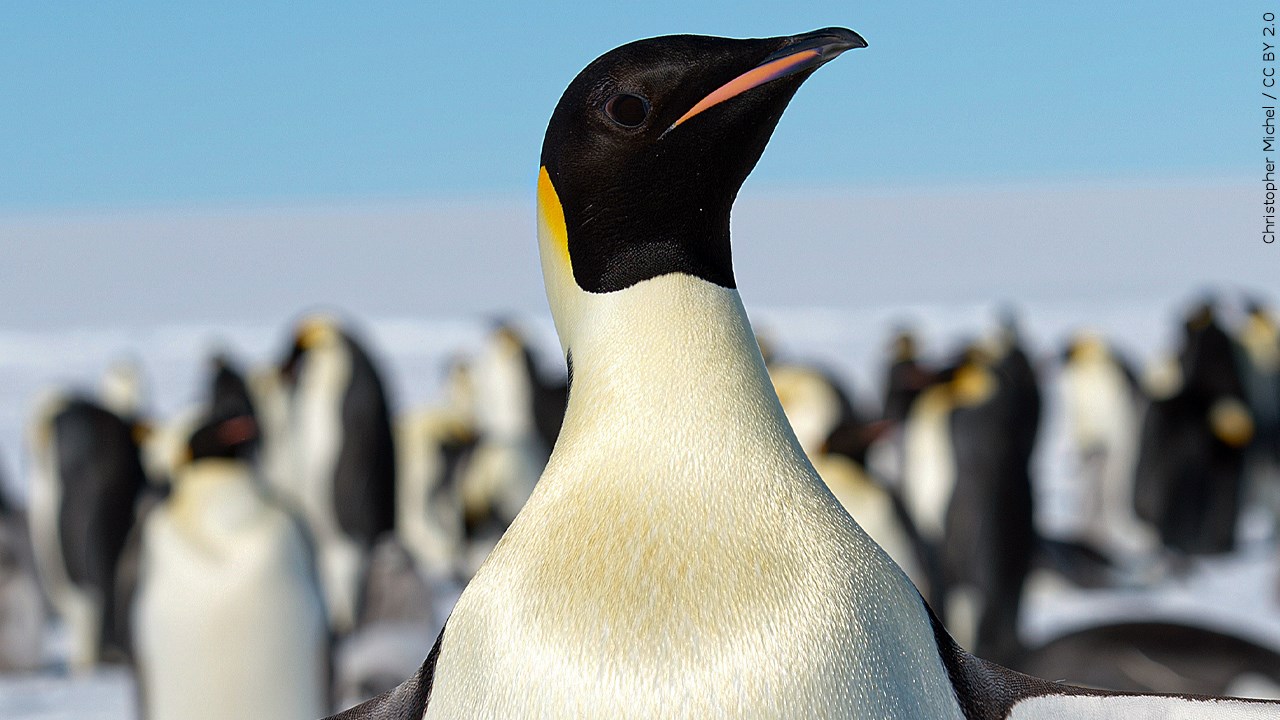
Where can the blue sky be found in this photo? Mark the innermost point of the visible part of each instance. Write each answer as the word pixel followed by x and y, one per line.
pixel 166 104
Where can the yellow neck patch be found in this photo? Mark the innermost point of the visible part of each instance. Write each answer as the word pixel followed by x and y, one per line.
pixel 973 385
pixel 551 215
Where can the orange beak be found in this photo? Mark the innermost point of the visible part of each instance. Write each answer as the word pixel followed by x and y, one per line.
pixel 805 52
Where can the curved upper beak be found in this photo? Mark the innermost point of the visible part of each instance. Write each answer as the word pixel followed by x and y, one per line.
pixel 803 52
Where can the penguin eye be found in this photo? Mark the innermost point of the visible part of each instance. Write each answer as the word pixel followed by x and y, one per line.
pixel 627 110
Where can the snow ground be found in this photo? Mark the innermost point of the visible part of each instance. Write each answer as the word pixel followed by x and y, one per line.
pixel 1237 592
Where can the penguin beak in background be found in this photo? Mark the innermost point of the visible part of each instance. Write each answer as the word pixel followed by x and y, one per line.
pixel 237 430
pixel 801 53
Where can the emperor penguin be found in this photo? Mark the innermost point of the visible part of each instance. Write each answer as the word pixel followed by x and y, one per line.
pixel 87 478
pixel 1101 402
pixel 1192 449
pixel 966 484
pixel 229 394
pixel 905 378
pixel 680 557
pixel 517 417
pixel 228 615
pixel 1259 342
pixel 344 457
pixel 433 447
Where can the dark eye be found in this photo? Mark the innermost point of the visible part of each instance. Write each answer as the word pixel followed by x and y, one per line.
pixel 627 110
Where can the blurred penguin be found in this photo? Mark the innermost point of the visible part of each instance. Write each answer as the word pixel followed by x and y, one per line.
pixel 21 605
pixel 229 393
pixel 905 378
pixel 398 618
pixel 836 437
pixel 269 394
pixel 433 447
pixel 1259 359
pixel 1101 402
pixel 87 478
pixel 968 488
pixel 344 456
pixel 1018 377
pixel 513 444
pixel 1191 454
pixel 229 618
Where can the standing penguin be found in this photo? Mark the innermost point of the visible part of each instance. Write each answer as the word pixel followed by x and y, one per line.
pixel 1101 402
pixel 517 417
pixel 1194 436
pixel 1017 374
pixel 968 488
pixel 989 537
pixel 344 457
pixel 87 479
pixel 229 393
pixel 228 615
pixel 433 447
pixel 680 557
pixel 1259 360
pixel 905 378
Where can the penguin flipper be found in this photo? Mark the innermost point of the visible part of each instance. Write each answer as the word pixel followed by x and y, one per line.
pixel 407 701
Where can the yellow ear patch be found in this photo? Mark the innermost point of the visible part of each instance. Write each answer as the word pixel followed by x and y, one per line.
pixel 973 385
pixel 551 214
pixel 1231 422
pixel 314 331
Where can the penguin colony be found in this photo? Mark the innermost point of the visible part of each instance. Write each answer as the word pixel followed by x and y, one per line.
pixel 680 556
pixel 713 535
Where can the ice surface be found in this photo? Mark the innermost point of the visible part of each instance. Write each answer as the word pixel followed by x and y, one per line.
pixel 1234 593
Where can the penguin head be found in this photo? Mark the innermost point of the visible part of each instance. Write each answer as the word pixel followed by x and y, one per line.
pixel 646 151
pixel 1201 316
pixel 224 436
pixel 969 380
pixel 903 347
pixel 315 332
pixel 1085 346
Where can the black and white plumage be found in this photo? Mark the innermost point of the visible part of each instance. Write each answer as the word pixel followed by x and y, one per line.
pixel 87 480
pixel 344 457
pixel 1258 340
pixel 1191 457
pixel 433 446
pixel 967 485
pixel 228 616
pixel 517 417
pixel 680 557
pixel 905 377
pixel 1102 403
